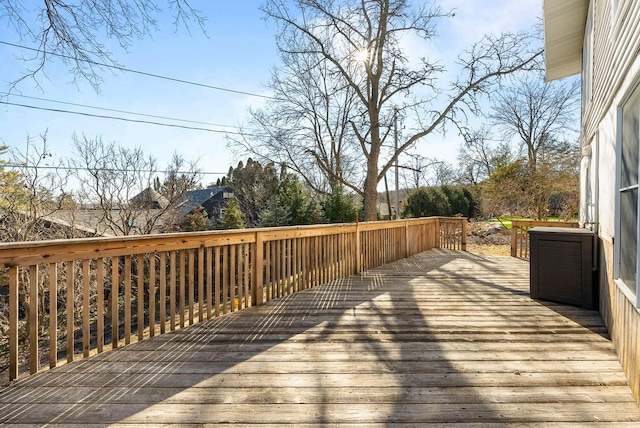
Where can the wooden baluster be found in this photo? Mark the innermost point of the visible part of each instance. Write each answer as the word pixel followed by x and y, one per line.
pixel 296 265
pixel 192 285
pixel 152 294
pixel 257 285
pixel 34 356
pixel 225 279
pixel 304 263
pixel 237 260
pixel 127 300
pixel 100 304
pixel 172 290
pixel 209 268
pixel 53 315
pixel 201 295
pixel 216 290
pixel 233 281
pixel 13 322
pixel 269 270
pixel 332 257
pixel 288 266
pixel 86 306
pixel 70 311
pixel 275 271
pixel 245 264
pixel 279 256
pixel 182 291
pixel 115 291
pixel 163 292
pixel 140 297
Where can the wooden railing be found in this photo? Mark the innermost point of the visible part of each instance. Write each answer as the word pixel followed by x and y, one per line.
pixel 520 235
pixel 69 299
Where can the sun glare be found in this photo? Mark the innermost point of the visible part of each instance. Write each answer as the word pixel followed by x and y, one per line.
pixel 362 55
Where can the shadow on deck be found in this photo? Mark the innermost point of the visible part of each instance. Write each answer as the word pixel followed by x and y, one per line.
pixel 443 337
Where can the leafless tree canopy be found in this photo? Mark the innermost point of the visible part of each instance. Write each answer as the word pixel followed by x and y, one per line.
pixel 72 30
pixel 117 184
pixel 30 194
pixel 480 155
pixel 307 127
pixel 536 112
pixel 358 48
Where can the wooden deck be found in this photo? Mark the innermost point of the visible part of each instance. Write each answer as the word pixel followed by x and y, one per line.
pixel 442 338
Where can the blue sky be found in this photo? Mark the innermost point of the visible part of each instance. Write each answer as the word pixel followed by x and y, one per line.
pixel 237 53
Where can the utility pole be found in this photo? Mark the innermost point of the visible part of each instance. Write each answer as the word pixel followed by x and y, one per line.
pixel 395 134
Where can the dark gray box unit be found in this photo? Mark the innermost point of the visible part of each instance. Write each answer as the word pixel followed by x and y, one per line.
pixel 562 266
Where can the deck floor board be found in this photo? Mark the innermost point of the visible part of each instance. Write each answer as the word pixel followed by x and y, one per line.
pixel 443 338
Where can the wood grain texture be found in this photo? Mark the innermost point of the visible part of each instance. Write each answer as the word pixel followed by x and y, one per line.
pixel 441 338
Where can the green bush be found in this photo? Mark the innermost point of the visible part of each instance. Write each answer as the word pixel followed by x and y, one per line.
pixel 339 208
pixel 440 201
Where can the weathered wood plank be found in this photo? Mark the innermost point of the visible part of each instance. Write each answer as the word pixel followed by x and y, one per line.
pixel 295 395
pixel 337 413
pixel 313 366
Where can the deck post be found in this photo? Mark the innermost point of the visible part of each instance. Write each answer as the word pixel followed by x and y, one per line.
pixel 514 240
pixel 463 242
pixel 406 239
pixel 257 292
pixel 437 235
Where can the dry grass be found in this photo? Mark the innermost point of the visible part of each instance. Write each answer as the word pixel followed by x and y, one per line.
pixel 498 244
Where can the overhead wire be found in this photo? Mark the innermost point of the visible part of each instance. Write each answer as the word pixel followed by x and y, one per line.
pixel 77 168
pixel 6 94
pixel 124 119
pixel 158 76
pixel 143 73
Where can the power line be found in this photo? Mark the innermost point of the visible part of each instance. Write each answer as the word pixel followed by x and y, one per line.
pixel 143 73
pixel 78 168
pixel 148 122
pixel 6 94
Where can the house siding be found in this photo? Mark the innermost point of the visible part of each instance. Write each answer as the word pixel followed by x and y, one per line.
pixel 615 73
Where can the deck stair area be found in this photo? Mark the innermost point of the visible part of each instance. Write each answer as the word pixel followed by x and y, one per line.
pixel 443 337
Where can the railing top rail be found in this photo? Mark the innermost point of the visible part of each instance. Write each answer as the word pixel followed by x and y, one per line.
pixel 60 250
pixel 534 223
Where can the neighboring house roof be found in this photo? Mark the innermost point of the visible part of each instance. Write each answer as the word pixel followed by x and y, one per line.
pixel 149 198
pixel 564 27
pixel 92 221
pixel 195 198
pixel 85 221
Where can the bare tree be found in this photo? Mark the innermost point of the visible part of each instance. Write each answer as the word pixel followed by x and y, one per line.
pixel 71 30
pixel 479 156
pixel 118 182
pixel 537 116
pixel 307 126
pixel 535 112
pixel 415 170
pixel 360 44
pixel 31 193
